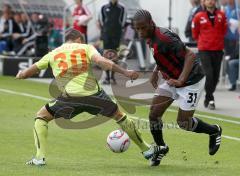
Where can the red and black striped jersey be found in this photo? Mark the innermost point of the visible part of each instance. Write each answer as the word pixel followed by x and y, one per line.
pixel 169 53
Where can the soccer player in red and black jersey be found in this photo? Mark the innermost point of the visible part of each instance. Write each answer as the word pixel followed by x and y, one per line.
pixel 183 80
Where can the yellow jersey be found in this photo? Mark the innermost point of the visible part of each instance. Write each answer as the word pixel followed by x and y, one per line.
pixel 72 68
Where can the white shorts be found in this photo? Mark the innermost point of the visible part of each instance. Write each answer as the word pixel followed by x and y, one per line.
pixel 188 97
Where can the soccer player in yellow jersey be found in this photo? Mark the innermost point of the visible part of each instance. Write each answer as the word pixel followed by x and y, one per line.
pixel 80 92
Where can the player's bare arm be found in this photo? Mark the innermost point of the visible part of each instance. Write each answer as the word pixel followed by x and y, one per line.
pixel 188 65
pixel 154 78
pixel 27 72
pixel 107 64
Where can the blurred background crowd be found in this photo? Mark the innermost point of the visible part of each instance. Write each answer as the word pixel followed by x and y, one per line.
pixel 33 29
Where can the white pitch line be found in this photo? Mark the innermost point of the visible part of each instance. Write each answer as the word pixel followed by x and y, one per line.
pixel 211 117
pixel 204 116
pixel 169 110
pixel 171 125
pixel 25 94
pixel 232 138
pixel 196 114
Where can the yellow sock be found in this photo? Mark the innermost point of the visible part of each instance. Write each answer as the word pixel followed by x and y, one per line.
pixel 129 127
pixel 40 132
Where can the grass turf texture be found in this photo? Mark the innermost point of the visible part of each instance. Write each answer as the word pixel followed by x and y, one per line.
pixel 84 152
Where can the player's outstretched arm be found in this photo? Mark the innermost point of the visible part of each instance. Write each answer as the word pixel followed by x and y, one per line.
pixel 27 72
pixel 107 64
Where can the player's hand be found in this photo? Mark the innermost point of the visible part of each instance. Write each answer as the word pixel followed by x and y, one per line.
pixel 16 35
pixel 154 80
pixel 131 74
pixel 20 75
pixel 24 41
pixel 175 83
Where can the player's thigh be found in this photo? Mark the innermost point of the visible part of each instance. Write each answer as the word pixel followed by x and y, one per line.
pixel 189 96
pixel 164 96
pixel 107 106
pixel 184 115
pixel 44 114
pixel 159 106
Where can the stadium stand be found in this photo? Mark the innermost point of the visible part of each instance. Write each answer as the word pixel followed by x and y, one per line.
pixel 53 9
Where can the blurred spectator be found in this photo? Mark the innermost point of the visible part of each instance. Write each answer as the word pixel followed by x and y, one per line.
pixel 18 24
pixel 231 42
pixel 18 30
pixel 232 36
pixel 196 7
pixel 26 24
pixel 6 28
pixel 208 29
pixel 112 19
pixel 28 42
pixel 223 4
pixel 233 71
pixel 81 16
pixel 41 41
pixel 21 32
pixel 54 38
pixel 37 36
pixel 3 46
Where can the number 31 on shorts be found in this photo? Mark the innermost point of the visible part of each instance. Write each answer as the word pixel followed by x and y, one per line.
pixel 192 97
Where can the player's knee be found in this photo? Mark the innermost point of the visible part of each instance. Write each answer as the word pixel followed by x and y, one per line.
pixel 44 114
pixel 39 114
pixel 184 124
pixel 118 115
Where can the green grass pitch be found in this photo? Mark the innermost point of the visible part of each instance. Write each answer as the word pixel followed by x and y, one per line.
pixel 84 152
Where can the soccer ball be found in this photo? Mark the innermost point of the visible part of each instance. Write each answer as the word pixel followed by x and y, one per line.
pixel 118 141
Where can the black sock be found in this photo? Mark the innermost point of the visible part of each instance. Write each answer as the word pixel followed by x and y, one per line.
pixel 107 75
pixel 112 75
pixel 198 126
pixel 156 130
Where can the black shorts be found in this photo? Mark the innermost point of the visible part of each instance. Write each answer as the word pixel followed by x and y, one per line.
pixel 69 107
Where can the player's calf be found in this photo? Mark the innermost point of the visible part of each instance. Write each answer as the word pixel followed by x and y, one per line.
pixel 198 126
